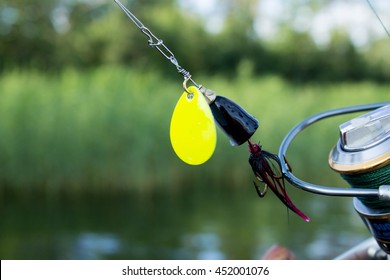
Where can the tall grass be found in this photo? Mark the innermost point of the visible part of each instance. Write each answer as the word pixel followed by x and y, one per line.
pixel 108 129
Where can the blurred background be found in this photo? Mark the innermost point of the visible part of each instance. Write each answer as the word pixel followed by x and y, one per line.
pixel 86 166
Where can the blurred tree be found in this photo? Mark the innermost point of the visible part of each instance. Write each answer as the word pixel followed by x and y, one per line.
pixel 240 16
pixel 52 34
pixel 342 58
pixel 26 32
pixel 32 35
pixel 296 55
pixel 377 61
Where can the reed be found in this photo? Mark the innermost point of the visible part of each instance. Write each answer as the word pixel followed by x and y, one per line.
pixel 107 130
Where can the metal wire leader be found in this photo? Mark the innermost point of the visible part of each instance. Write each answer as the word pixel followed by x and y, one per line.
pixel 159 45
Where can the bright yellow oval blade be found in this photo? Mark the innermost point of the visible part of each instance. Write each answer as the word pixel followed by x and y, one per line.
pixel 192 131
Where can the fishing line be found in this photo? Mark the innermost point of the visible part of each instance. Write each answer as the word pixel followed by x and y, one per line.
pixel 371 180
pixel 378 17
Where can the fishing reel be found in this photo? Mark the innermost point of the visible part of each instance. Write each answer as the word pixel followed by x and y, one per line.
pixel 362 157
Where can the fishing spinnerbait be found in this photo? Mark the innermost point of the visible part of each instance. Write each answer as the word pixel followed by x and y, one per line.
pixel 192 130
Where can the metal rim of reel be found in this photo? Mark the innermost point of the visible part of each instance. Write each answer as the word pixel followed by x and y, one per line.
pixel 383 193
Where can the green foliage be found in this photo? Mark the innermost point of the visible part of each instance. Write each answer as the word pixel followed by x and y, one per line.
pixel 56 34
pixel 377 61
pixel 108 129
pixel 75 129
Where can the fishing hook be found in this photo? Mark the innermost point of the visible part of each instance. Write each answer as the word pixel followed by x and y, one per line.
pixel 257 188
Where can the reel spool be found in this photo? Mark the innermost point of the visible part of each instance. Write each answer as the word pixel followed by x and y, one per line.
pixel 362 157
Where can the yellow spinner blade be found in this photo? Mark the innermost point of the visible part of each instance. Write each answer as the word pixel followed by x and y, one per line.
pixel 192 131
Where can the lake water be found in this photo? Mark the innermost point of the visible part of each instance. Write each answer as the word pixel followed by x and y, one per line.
pixel 205 222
